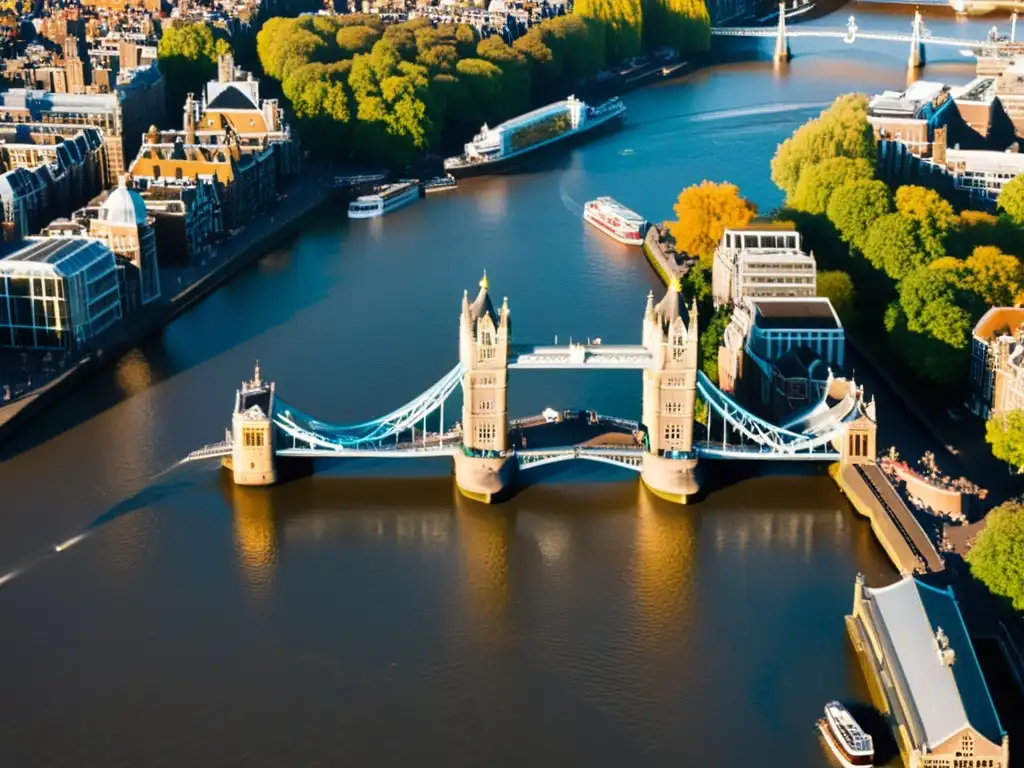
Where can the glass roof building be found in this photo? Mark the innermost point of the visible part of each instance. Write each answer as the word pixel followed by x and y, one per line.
pixel 57 293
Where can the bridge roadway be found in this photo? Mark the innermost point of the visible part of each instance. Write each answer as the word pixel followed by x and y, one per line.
pixel 590 355
pixel 845 35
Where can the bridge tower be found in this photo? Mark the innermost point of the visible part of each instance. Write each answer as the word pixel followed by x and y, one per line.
pixel 484 469
pixel 252 460
pixel 916 60
pixel 669 467
pixel 782 52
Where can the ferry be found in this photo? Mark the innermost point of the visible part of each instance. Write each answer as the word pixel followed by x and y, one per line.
pixel 499 149
pixel 384 200
pixel 439 184
pixel 852 747
pixel 616 220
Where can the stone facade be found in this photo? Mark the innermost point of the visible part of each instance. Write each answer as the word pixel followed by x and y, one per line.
pixel 997 362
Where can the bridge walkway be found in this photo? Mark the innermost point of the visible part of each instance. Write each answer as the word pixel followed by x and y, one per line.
pixel 895 526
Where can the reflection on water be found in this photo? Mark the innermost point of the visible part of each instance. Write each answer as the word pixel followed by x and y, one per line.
pixel 484 541
pixel 491 197
pixel 133 373
pixel 255 535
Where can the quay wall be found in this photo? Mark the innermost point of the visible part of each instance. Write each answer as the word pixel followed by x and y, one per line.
pixel 234 255
pixel 664 264
pixel 856 489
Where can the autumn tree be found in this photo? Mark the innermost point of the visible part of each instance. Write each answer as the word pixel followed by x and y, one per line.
pixel 703 212
pixel 1005 433
pixel 855 206
pixel 893 246
pixel 932 214
pixel 997 557
pixel 1011 200
pixel 818 182
pixel 356 39
pixel 842 130
pixel 837 287
pixel 187 54
pixel 682 24
pixel 622 21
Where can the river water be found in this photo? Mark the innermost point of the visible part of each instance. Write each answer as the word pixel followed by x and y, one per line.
pixel 368 615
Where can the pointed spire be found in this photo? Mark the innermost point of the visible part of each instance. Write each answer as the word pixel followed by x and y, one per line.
pixel 649 310
pixel 483 281
pixel 256 376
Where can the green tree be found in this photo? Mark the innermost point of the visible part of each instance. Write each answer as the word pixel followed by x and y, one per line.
pixel 855 206
pixel 356 39
pixel 1011 200
pixel 838 288
pixel 515 75
pixel 818 182
pixel 682 24
pixel 997 557
pixel 482 80
pixel 187 54
pixel 937 302
pixel 622 21
pixel 892 245
pixel 932 358
pixel 703 212
pixel 934 217
pixel 998 277
pixel 1005 433
pixel 711 339
pixel 842 130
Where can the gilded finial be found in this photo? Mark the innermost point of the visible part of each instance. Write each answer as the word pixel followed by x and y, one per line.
pixel 256 376
pixel 483 281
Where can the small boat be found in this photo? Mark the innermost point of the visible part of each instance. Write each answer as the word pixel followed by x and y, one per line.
pixel 440 184
pixel 384 200
pixel 847 740
pixel 615 220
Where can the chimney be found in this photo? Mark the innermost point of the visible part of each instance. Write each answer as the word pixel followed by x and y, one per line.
pixel 225 68
pixel 939 145
pixel 190 120
pixel 946 654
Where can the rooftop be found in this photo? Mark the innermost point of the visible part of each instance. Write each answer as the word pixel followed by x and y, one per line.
pixel 784 313
pixel 944 698
pixel 986 161
pixel 65 255
pixel 999 320
pixel 908 104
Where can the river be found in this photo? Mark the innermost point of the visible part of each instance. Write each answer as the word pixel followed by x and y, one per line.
pixel 368 615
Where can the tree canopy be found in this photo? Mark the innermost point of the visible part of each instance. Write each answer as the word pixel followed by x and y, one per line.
pixel 1011 200
pixel 187 54
pixel 703 212
pixel 818 181
pixel 838 288
pixel 1005 433
pixel 855 206
pixel 842 130
pixel 997 557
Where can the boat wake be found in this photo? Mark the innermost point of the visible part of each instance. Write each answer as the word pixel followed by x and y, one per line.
pixel 145 498
pixel 754 110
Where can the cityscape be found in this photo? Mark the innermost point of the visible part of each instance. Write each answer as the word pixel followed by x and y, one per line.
pixel 605 376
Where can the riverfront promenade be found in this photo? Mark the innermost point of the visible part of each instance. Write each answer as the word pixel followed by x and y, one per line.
pixel 185 288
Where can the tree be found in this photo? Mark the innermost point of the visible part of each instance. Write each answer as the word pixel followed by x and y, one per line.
pixel 892 246
pixel 998 277
pixel 356 39
pixel 622 21
pixel 855 206
pixel 818 182
pixel 933 359
pixel 838 288
pixel 1005 433
pixel 515 75
pixel 997 557
pixel 711 339
pixel 933 215
pixel 187 54
pixel 842 130
pixel 936 302
pixel 703 212
pixel 683 24
pixel 1011 200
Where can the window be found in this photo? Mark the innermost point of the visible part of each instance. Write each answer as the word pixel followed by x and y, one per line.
pixel 485 433
pixel 487 353
pixel 673 408
pixel 673 432
pixel 485 405
pixel 252 438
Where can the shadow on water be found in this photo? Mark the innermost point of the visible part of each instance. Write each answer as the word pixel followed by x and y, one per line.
pixel 102 389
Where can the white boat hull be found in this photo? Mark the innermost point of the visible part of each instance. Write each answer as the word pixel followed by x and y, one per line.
pixel 599 226
pixel 826 734
pixel 381 211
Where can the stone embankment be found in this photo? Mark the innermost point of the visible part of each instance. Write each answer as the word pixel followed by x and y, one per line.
pixel 663 258
pixel 197 283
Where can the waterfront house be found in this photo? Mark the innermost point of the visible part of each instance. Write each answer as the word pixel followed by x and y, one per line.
pixel 186 218
pixel 997 354
pixel 922 671
pixel 761 259
pixel 24 201
pixel 57 293
pixel 125 225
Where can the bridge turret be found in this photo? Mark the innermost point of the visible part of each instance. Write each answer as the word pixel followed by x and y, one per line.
pixel 252 460
pixel 670 335
pixel 484 335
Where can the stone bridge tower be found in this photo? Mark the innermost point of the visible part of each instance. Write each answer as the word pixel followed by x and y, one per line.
pixel 483 470
pixel 252 460
pixel 669 397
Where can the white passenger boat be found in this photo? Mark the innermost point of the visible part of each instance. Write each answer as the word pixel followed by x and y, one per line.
pixel 616 220
pixel 384 200
pixel 847 740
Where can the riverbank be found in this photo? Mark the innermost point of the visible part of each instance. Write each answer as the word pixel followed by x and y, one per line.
pixel 194 284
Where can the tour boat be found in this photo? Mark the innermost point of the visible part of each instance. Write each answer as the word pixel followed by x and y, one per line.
pixel 616 220
pixel 440 184
pixel 847 740
pixel 384 200
pixel 502 148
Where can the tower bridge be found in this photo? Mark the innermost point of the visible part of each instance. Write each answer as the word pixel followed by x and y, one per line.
pixel 917 38
pixel 267 433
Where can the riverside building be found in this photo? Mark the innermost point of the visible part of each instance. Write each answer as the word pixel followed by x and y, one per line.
pixel 921 668
pixel 57 293
pixel 761 260
pixel 997 362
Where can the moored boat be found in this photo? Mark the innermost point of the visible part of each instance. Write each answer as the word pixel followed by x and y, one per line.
pixel 440 184
pixel 502 148
pixel 844 736
pixel 616 220
pixel 384 200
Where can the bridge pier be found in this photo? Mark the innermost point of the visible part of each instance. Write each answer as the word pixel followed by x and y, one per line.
pixel 782 53
pixel 917 57
pixel 674 480
pixel 487 480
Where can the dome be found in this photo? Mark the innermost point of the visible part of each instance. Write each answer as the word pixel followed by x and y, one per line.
pixel 124 206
